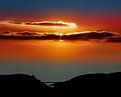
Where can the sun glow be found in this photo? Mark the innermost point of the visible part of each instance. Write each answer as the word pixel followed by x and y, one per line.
pixel 61 27
pixel 71 25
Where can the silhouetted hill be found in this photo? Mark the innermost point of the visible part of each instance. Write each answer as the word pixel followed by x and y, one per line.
pixel 22 84
pixel 91 84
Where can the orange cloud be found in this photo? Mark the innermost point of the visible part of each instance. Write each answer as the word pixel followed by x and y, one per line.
pixel 45 26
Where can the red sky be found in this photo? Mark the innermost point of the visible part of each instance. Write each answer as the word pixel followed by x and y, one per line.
pixel 85 21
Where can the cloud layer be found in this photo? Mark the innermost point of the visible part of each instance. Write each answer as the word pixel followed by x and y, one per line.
pixel 113 39
pixel 44 26
pixel 89 35
pixel 52 30
pixel 99 35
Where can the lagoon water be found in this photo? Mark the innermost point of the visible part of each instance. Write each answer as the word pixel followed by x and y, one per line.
pixel 51 60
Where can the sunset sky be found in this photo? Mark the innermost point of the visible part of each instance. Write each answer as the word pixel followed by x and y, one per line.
pixel 78 37
pixel 87 14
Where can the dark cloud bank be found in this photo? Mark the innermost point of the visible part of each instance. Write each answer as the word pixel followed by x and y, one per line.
pixel 86 36
pixel 43 23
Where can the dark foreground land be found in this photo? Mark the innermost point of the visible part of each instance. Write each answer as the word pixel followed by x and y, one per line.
pixel 90 84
